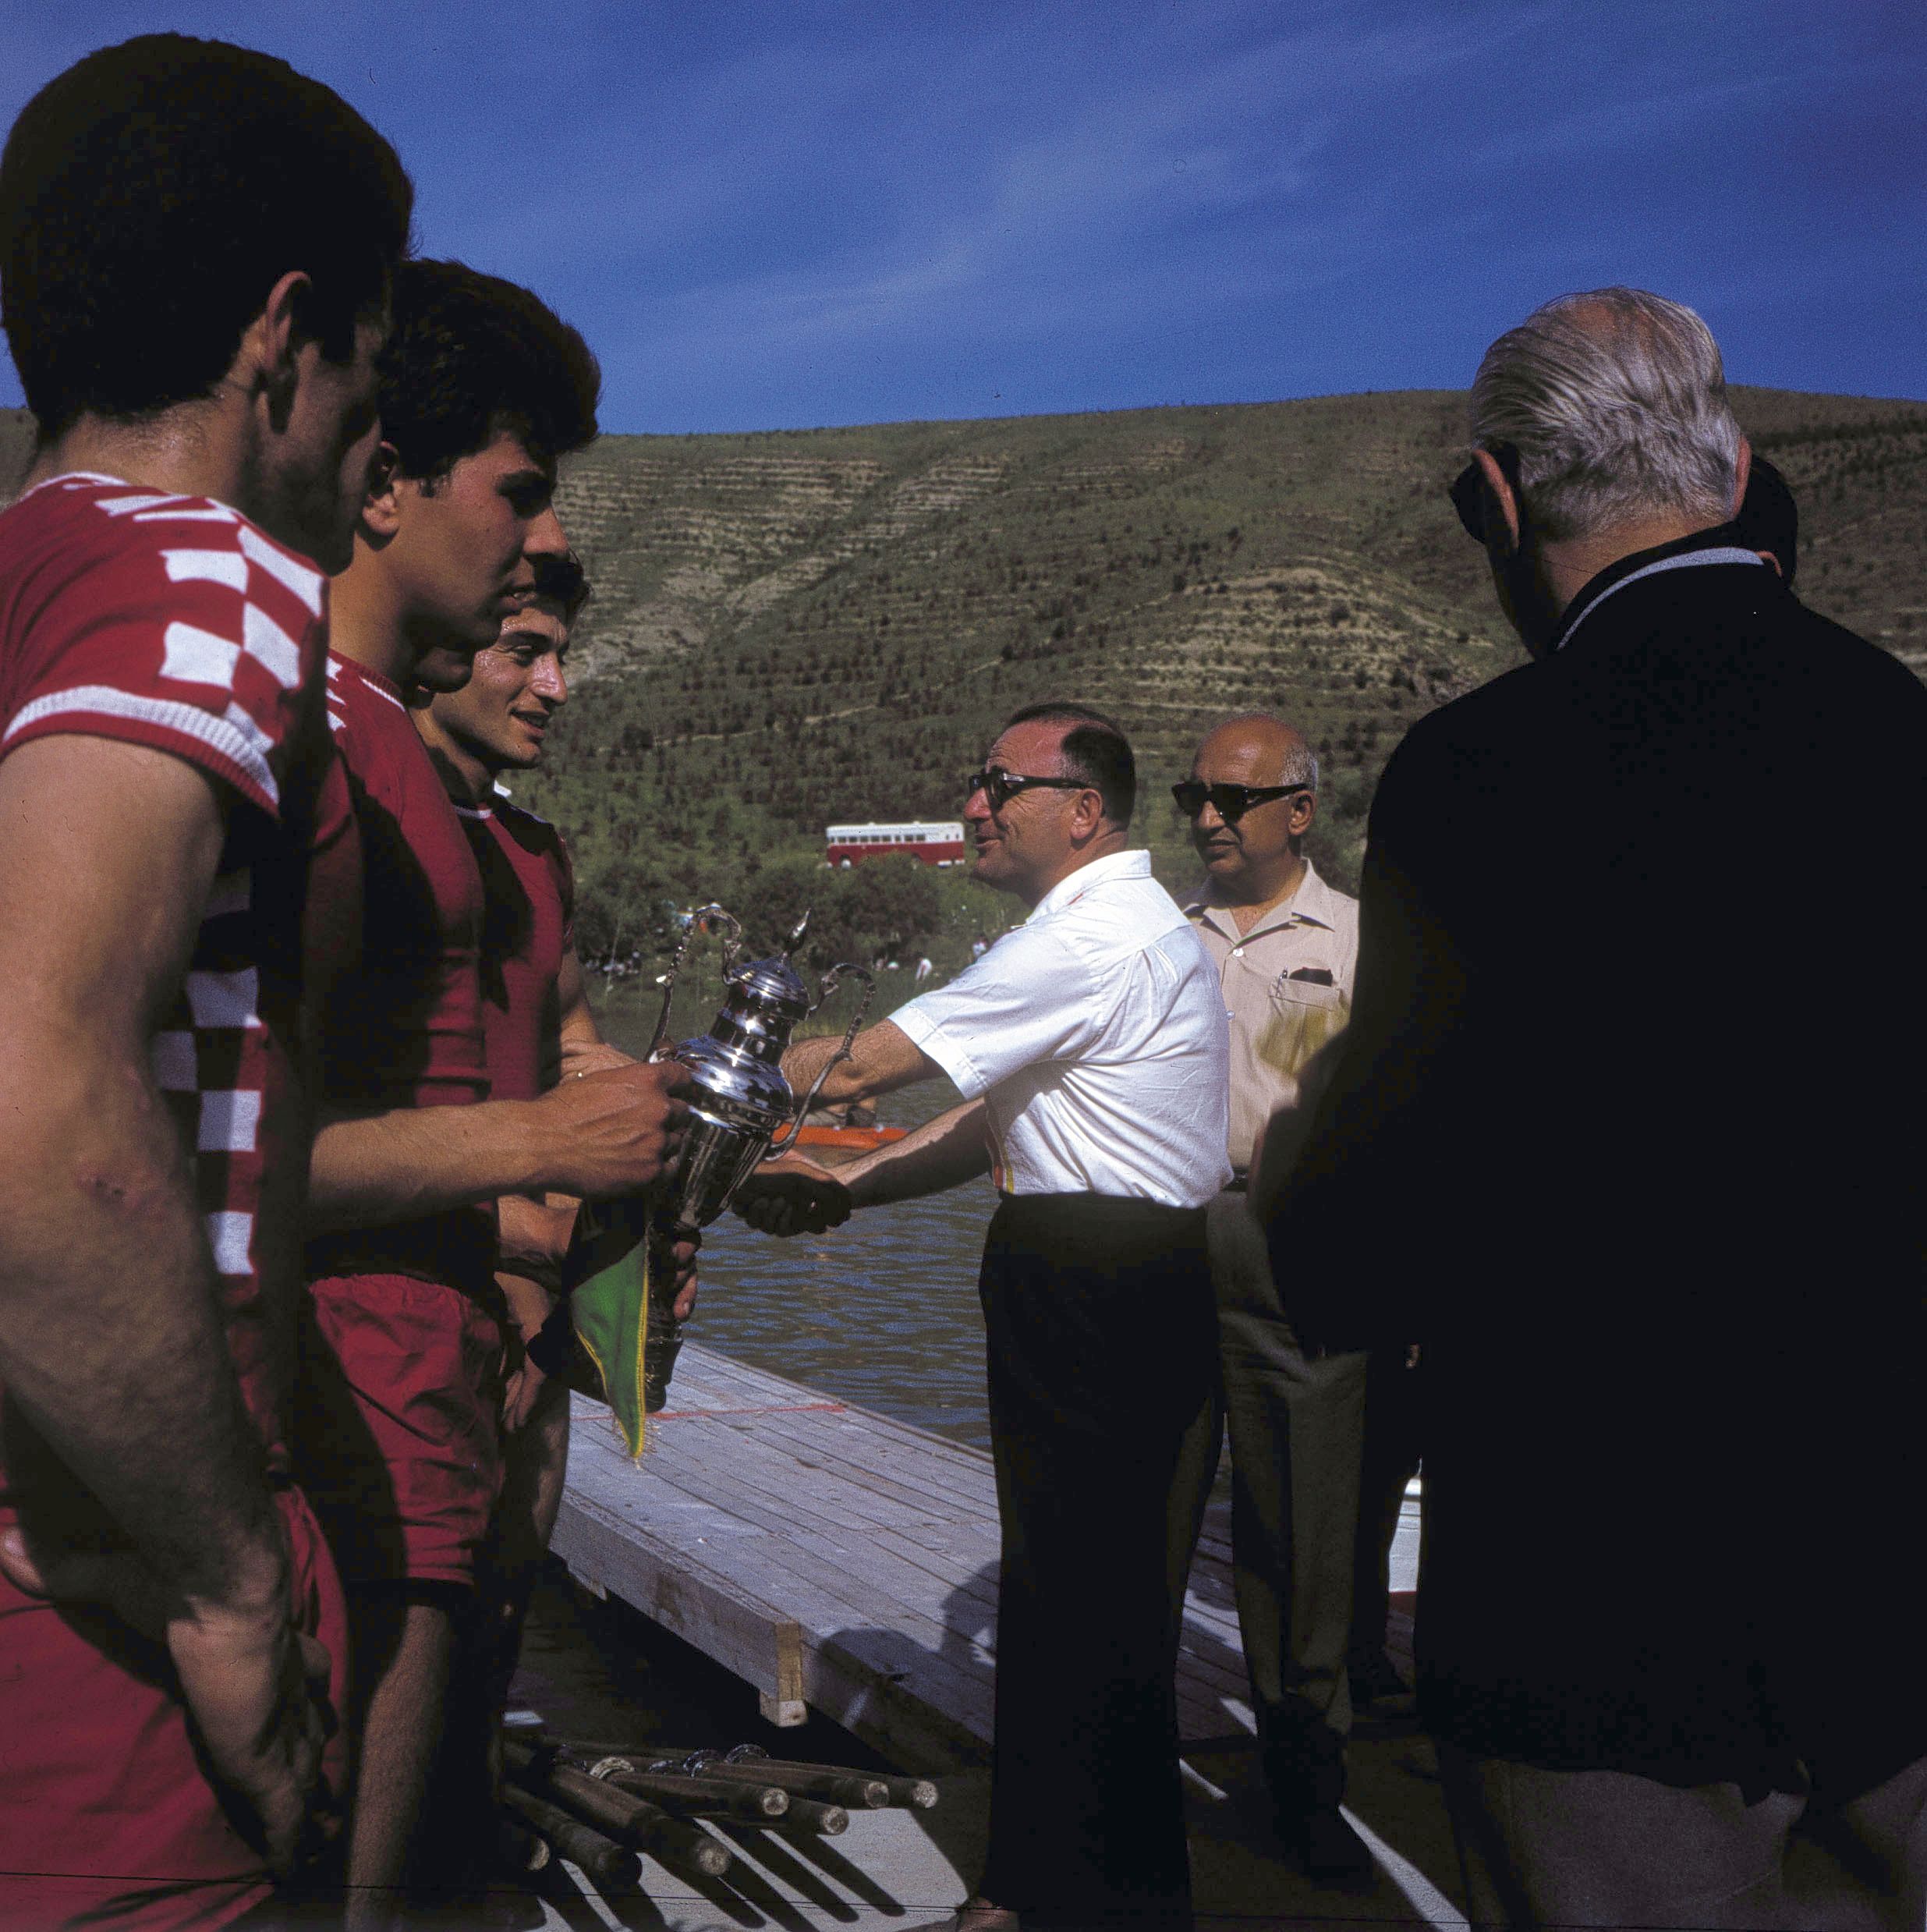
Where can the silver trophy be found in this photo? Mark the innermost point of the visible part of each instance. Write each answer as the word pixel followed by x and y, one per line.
pixel 742 1104
pixel 742 1110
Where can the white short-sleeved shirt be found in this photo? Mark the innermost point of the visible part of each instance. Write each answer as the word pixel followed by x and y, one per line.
pixel 1096 1033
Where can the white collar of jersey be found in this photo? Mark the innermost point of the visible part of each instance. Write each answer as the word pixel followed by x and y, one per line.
pixel 76 476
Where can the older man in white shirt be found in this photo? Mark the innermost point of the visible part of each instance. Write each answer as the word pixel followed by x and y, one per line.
pixel 1092 1047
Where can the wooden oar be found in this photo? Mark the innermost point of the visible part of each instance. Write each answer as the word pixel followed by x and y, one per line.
pixel 613 1866
pixel 701 1797
pixel 634 1821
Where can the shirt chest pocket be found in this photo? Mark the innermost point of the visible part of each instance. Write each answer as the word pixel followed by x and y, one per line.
pixel 1304 1011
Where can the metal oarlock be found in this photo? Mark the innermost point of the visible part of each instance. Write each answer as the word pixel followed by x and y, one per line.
pixel 828 984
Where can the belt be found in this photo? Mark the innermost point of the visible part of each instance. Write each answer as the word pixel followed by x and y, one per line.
pixel 458 1247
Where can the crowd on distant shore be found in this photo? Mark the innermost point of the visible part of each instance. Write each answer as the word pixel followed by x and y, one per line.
pixel 1567 1157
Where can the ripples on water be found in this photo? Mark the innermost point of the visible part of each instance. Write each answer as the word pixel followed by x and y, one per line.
pixel 882 1311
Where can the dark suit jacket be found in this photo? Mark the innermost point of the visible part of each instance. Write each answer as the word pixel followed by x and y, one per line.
pixel 1626 1131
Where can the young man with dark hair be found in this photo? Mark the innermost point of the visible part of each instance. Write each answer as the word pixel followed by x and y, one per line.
pixel 408 1336
pixel 539 1030
pixel 196 247
pixel 1092 1048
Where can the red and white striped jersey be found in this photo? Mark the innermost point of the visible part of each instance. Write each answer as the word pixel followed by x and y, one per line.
pixel 174 622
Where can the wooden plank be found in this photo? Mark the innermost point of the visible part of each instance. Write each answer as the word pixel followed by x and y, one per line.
pixel 867 1468
pixel 853 1548
pixel 770 1502
pixel 861 1459
pixel 826 1554
pixel 810 1505
pixel 786 1705
pixel 852 1460
pixel 747 1636
pixel 896 1715
pixel 800 1407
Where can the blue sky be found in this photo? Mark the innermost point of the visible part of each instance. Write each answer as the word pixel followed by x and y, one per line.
pixel 788 213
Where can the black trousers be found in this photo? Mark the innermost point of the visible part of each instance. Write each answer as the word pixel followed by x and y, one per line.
pixel 1098 1312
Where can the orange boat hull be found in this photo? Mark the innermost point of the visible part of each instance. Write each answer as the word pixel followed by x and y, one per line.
pixel 858 1139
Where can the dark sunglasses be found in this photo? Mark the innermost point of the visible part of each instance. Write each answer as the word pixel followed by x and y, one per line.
pixel 1468 491
pixel 1230 801
pixel 999 788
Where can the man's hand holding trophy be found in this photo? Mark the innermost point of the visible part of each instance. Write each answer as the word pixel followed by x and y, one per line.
pixel 740 1110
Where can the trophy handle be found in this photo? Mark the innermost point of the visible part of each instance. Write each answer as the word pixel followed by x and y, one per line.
pixel 830 980
pixel 713 916
pixel 702 920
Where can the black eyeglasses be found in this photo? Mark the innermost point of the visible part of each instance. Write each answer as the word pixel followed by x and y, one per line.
pixel 1468 489
pixel 999 788
pixel 1230 801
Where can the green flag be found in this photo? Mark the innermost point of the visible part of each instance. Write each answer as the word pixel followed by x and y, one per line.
pixel 611 1312
pixel 609 1264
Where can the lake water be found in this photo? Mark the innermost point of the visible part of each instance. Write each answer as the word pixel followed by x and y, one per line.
pixel 881 1311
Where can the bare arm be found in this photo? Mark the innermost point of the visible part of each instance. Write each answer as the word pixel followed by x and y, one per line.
pixel 792 1196
pixel 599 1135
pixel 584 1050
pixel 943 1153
pixel 109 1339
pixel 112 1349
pixel 882 1059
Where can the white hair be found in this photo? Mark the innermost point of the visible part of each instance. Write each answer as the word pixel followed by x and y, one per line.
pixel 1300 766
pixel 1616 401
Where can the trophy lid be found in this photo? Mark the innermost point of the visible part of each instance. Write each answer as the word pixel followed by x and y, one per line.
pixel 775 982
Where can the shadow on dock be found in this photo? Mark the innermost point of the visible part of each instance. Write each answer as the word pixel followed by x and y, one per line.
pixel 843 1566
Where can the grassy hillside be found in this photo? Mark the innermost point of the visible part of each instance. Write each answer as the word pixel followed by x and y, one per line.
pixel 797 627
pixel 803 626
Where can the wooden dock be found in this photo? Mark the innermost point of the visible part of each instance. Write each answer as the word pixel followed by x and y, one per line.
pixel 838 1561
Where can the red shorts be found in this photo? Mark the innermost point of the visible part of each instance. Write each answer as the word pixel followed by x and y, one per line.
pixel 398 1427
pixel 106 1817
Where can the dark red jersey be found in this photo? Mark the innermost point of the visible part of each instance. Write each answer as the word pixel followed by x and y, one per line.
pixel 406 1030
pixel 172 622
pixel 411 1036
pixel 530 888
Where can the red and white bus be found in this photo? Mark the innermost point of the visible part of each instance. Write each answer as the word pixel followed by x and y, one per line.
pixel 934 844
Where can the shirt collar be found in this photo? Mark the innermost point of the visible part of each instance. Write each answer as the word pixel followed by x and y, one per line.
pixel 1117 865
pixel 375 680
pixel 1313 903
pixel 1685 553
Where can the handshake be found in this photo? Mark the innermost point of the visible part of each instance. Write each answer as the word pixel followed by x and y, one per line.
pixel 790 1197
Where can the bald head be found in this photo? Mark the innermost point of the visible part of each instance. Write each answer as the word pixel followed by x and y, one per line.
pixel 1275 752
pixel 1254 854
